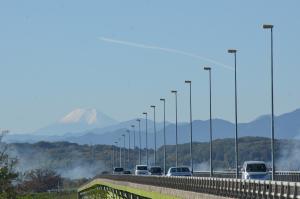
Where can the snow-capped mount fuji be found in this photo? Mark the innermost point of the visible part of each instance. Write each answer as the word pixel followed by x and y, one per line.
pixel 78 120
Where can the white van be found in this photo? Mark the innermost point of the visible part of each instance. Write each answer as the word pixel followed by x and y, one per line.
pixel 256 170
pixel 141 170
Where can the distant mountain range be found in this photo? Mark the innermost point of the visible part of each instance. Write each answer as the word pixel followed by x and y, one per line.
pixel 82 127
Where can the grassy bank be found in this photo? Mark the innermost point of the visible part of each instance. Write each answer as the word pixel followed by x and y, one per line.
pixel 62 195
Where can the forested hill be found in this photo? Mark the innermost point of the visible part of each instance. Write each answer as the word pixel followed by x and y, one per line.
pixel 76 161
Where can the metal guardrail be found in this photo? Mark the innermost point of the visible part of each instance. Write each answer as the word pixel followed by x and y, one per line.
pixel 102 191
pixel 216 174
pixel 228 187
pixel 288 176
pixel 291 176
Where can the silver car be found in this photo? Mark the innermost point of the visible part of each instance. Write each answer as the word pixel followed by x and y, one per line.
pixel 255 170
pixel 179 171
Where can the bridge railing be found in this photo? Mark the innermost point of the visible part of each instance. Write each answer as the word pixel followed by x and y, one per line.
pixel 291 176
pixel 288 176
pixel 216 174
pixel 235 188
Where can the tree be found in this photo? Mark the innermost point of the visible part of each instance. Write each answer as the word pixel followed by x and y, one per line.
pixel 7 173
pixel 41 180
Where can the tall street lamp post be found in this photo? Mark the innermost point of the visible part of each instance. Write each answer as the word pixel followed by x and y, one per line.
pixel 128 132
pixel 154 127
pixel 140 141
pixel 269 26
pixel 120 153
pixel 124 150
pixel 115 153
pixel 133 130
pixel 176 126
pixel 113 156
pixel 146 114
pixel 191 127
pixel 210 121
pixel 164 101
pixel 233 51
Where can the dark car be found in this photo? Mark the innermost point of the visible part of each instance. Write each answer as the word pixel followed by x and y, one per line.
pixel 155 170
pixel 118 170
pixel 126 172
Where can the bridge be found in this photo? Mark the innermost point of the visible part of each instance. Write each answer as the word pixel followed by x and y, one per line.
pixel 142 187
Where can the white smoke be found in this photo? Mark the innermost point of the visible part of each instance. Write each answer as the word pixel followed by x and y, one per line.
pixel 289 159
pixel 203 166
pixel 82 170
pixel 75 168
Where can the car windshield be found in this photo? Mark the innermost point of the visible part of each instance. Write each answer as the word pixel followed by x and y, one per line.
pixel 180 169
pixel 173 170
pixel 185 169
pixel 155 170
pixel 142 168
pixel 256 168
pixel 118 169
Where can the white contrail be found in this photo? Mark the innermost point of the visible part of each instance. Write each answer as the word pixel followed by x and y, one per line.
pixel 170 50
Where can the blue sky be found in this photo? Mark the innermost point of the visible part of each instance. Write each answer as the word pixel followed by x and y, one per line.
pixel 52 60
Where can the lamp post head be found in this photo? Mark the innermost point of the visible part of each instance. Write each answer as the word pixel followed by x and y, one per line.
pixel 116 142
pixel 132 126
pixel 267 26
pixel 162 99
pixel 232 50
pixel 152 106
pixel 207 68
pixel 188 81
pixel 138 120
pixel 145 113
pixel 127 130
pixel 123 135
pixel 173 91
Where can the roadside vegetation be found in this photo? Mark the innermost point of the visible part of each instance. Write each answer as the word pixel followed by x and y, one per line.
pixel 7 173
pixel 60 195
pixel 42 183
